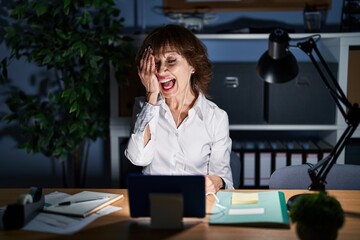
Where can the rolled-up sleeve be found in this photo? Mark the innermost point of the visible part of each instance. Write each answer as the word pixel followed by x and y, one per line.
pixel 136 152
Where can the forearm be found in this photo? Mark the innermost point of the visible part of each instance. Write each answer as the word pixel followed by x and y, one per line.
pixel 151 98
pixel 145 117
pixel 138 153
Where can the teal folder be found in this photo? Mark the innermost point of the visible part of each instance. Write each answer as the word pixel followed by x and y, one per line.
pixel 269 211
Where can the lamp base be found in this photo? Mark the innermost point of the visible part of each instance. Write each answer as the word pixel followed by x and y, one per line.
pixel 292 200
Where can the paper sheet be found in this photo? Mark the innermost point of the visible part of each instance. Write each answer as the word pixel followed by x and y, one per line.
pixel 246 211
pixel 60 224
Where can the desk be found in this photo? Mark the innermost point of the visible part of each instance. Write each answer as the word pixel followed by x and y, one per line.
pixel 119 225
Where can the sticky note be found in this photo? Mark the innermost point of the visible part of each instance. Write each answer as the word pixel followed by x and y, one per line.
pixel 244 198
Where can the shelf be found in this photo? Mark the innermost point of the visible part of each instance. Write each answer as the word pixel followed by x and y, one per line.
pixel 183 6
pixel 264 36
pixel 120 127
pixel 271 127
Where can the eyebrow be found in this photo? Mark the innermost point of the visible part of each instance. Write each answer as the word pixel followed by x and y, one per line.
pixel 169 51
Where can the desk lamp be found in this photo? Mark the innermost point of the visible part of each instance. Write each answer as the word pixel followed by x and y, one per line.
pixel 278 65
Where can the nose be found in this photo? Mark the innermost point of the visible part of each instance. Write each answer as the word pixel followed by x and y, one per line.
pixel 160 68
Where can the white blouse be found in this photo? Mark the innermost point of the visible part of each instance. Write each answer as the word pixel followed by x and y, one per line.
pixel 200 145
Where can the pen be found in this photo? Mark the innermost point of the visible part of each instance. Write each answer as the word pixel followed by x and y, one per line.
pixel 66 203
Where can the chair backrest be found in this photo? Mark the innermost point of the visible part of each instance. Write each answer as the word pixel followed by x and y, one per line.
pixel 341 176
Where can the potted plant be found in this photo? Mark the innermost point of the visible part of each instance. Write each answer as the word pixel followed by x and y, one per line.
pixel 317 216
pixel 75 41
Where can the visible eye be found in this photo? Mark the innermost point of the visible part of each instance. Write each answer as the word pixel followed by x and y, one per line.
pixel 171 61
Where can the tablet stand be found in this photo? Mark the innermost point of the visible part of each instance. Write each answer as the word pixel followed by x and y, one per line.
pixel 166 210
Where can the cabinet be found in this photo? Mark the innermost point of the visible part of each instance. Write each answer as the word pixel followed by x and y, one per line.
pixel 228 49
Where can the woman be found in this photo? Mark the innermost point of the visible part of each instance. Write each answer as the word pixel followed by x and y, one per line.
pixel 178 131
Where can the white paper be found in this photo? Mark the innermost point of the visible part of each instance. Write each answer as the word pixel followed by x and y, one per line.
pixel 82 208
pixel 61 224
pixel 246 211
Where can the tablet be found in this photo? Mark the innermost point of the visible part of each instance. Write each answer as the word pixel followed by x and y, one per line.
pixel 191 187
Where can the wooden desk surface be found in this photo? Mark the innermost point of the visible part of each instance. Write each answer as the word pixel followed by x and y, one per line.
pixel 119 225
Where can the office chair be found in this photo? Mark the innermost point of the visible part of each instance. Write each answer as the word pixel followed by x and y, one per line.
pixel 340 177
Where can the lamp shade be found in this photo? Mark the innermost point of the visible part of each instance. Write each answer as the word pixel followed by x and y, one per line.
pixel 277 64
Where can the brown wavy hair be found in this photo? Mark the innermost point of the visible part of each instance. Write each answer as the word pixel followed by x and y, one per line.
pixel 189 46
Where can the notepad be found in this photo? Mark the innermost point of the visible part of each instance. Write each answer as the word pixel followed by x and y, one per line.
pixel 84 203
pixel 269 211
pixel 244 198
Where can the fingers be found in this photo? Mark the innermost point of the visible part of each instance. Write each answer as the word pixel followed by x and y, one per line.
pixel 147 62
pixel 146 72
pixel 212 183
pixel 146 67
pixel 209 185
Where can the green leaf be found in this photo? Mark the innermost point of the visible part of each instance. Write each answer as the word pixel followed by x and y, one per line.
pixel 87 94
pixel 40 9
pixel 86 76
pixel 74 107
pixel 47 59
pixel 57 151
pixel 73 127
pixel 40 115
pixel 67 3
pixel 97 3
pixel 70 144
pixel 85 19
pixel 80 47
pixel 67 6
pixel 48 137
pixel 66 93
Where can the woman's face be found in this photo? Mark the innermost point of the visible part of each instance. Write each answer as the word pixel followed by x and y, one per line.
pixel 173 72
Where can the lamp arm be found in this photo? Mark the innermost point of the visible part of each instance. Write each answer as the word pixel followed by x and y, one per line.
pixel 318 179
pixel 351 114
pixel 338 95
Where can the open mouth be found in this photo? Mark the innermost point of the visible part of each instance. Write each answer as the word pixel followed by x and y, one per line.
pixel 168 84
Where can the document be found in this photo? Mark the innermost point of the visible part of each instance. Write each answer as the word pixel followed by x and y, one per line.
pixel 249 156
pixel 295 153
pixel 311 152
pixel 264 153
pixel 83 203
pixel 269 211
pixel 62 224
pixel 279 156
pixel 280 159
pixel 325 148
